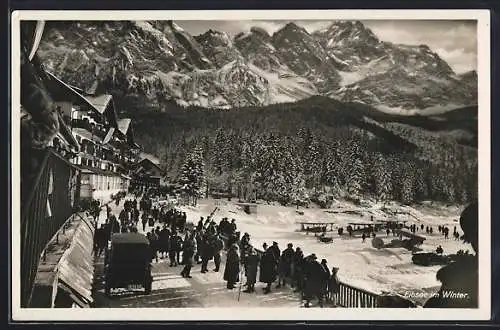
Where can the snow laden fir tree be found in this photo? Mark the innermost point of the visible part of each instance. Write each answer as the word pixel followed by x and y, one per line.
pixel 192 175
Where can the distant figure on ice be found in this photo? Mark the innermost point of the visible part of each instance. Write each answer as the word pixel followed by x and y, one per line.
pixel 388 231
pixel 462 275
pixel 439 250
pixel 232 271
pixel 363 237
pixel 422 227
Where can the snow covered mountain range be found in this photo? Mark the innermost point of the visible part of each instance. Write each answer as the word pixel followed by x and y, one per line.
pixel 158 61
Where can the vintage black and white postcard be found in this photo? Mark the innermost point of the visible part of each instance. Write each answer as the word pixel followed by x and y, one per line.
pixel 251 165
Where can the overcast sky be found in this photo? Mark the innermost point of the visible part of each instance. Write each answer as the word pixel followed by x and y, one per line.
pixel 454 41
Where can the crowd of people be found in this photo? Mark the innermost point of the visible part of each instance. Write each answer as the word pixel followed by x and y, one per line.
pixel 170 238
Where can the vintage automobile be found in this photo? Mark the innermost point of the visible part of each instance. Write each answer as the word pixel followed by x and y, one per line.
pixel 128 262
pixel 429 258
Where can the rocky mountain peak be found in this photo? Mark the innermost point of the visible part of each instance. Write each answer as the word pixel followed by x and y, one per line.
pixel 155 61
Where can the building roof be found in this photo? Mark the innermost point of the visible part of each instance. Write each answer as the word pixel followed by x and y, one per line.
pixel 153 159
pixel 123 125
pixel 150 162
pixel 86 134
pixel 76 267
pixel 100 102
pixel 66 133
pixel 61 91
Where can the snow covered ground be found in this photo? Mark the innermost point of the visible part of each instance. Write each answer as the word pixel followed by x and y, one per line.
pixel 361 265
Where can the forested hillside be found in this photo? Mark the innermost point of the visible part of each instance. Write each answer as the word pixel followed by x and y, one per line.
pixel 317 146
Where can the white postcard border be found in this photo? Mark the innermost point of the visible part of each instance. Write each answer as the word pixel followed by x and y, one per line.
pixel 290 314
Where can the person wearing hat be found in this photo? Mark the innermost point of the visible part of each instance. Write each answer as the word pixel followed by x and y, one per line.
pixel 298 266
pixel 461 276
pixel 276 252
pixel 313 274
pixel 232 271
pixel 252 264
pixel 268 271
pixel 188 251
pixel 285 265
pixel 325 278
pixel 218 245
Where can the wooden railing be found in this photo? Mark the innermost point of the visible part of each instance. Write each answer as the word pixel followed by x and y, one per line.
pixel 45 210
pixel 352 297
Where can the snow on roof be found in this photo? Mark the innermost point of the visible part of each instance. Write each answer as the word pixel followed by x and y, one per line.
pixel 123 125
pixel 153 159
pixel 100 102
pixel 86 134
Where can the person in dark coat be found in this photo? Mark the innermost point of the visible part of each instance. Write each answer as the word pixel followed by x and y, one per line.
pixel 144 220
pixel 100 241
pixel 206 252
pixel 172 251
pixel 313 274
pixel 268 268
pixel 325 278
pixel 232 271
pixel 461 276
pixel 298 272
pixel 252 265
pixel 188 251
pixel 276 251
pixel 199 241
pixel 286 265
pixel 153 243
pixel 177 244
pixel 199 227
pixel 114 225
pixel 232 227
pixel 164 238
